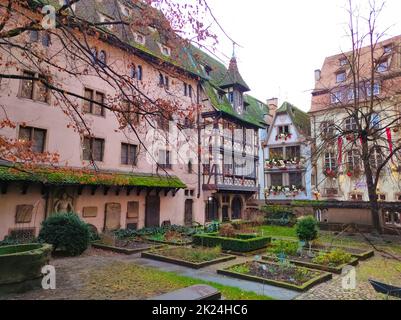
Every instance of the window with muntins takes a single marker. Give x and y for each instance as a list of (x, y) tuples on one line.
[(36, 136), (341, 77), (296, 179), (330, 161), (34, 89), (350, 124), (293, 152), (276, 179), (89, 105), (128, 154), (93, 149), (354, 160)]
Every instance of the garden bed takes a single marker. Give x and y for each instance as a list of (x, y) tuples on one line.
[(240, 243), (360, 254), (306, 262), (125, 246), (195, 258), (171, 242), (271, 273), (331, 261), (167, 235)]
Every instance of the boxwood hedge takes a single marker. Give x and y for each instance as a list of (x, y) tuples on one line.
[(242, 242)]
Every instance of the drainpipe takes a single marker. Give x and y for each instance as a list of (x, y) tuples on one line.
[(314, 138), (199, 138)]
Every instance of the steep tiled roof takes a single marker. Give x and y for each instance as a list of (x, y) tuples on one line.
[(233, 77), (215, 74), (332, 66), (299, 118)]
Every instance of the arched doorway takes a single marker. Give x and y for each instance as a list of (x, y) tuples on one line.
[(236, 208), (212, 209)]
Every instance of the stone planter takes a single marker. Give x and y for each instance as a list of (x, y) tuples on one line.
[(21, 266)]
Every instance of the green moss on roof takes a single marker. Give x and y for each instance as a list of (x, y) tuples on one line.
[(253, 114), (63, 176), (299, 118), (256, 109)]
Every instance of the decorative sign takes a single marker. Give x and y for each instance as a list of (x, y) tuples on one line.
[(24, 214), (89, 212)]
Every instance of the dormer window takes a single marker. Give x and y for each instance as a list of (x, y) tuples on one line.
[(388, 48), (103, 57), (139, 38), (343, 62), (208, 69), (231, 97), (341, 77), (165, 50), (107, 22), (126, 12), (382, 66)]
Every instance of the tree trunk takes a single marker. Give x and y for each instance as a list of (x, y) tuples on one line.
[(372, 191)]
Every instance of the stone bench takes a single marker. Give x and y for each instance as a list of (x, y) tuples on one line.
[(197, 292)]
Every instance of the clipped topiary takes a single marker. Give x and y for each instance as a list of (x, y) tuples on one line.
[(307, 229), (66, 232)]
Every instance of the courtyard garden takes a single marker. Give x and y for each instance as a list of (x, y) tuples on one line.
[(243, 260)]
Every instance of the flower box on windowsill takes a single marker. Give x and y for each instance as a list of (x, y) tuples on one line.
[(284, 164), (330, 173), (283, 136), (289, 191)]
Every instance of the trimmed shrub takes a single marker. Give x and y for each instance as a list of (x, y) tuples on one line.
[(287, 247), (307, 229), (127, 233), (242, 242), (335, 258), (66, 232), (279, 215)]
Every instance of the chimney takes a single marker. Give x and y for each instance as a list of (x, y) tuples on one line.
[(318, 75), (273, 105)]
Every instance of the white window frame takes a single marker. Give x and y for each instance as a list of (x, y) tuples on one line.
[(342, 79)]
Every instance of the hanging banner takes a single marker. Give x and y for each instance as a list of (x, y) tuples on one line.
[(340, 151), (390, 142)]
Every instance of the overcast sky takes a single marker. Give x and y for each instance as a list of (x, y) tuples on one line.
[(284, 41)]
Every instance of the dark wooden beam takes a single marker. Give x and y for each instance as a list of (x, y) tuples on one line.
[(149, 191), (44, 190), (93, 190), (4, 187), (158, 190), (138, 191), (24, 188), (106, 190), (129, 189), (166, 192), (80, 190), (118, 190)]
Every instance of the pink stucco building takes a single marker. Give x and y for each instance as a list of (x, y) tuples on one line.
[(117, 177)]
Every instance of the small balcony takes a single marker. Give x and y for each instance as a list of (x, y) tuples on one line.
[(213, 180)]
